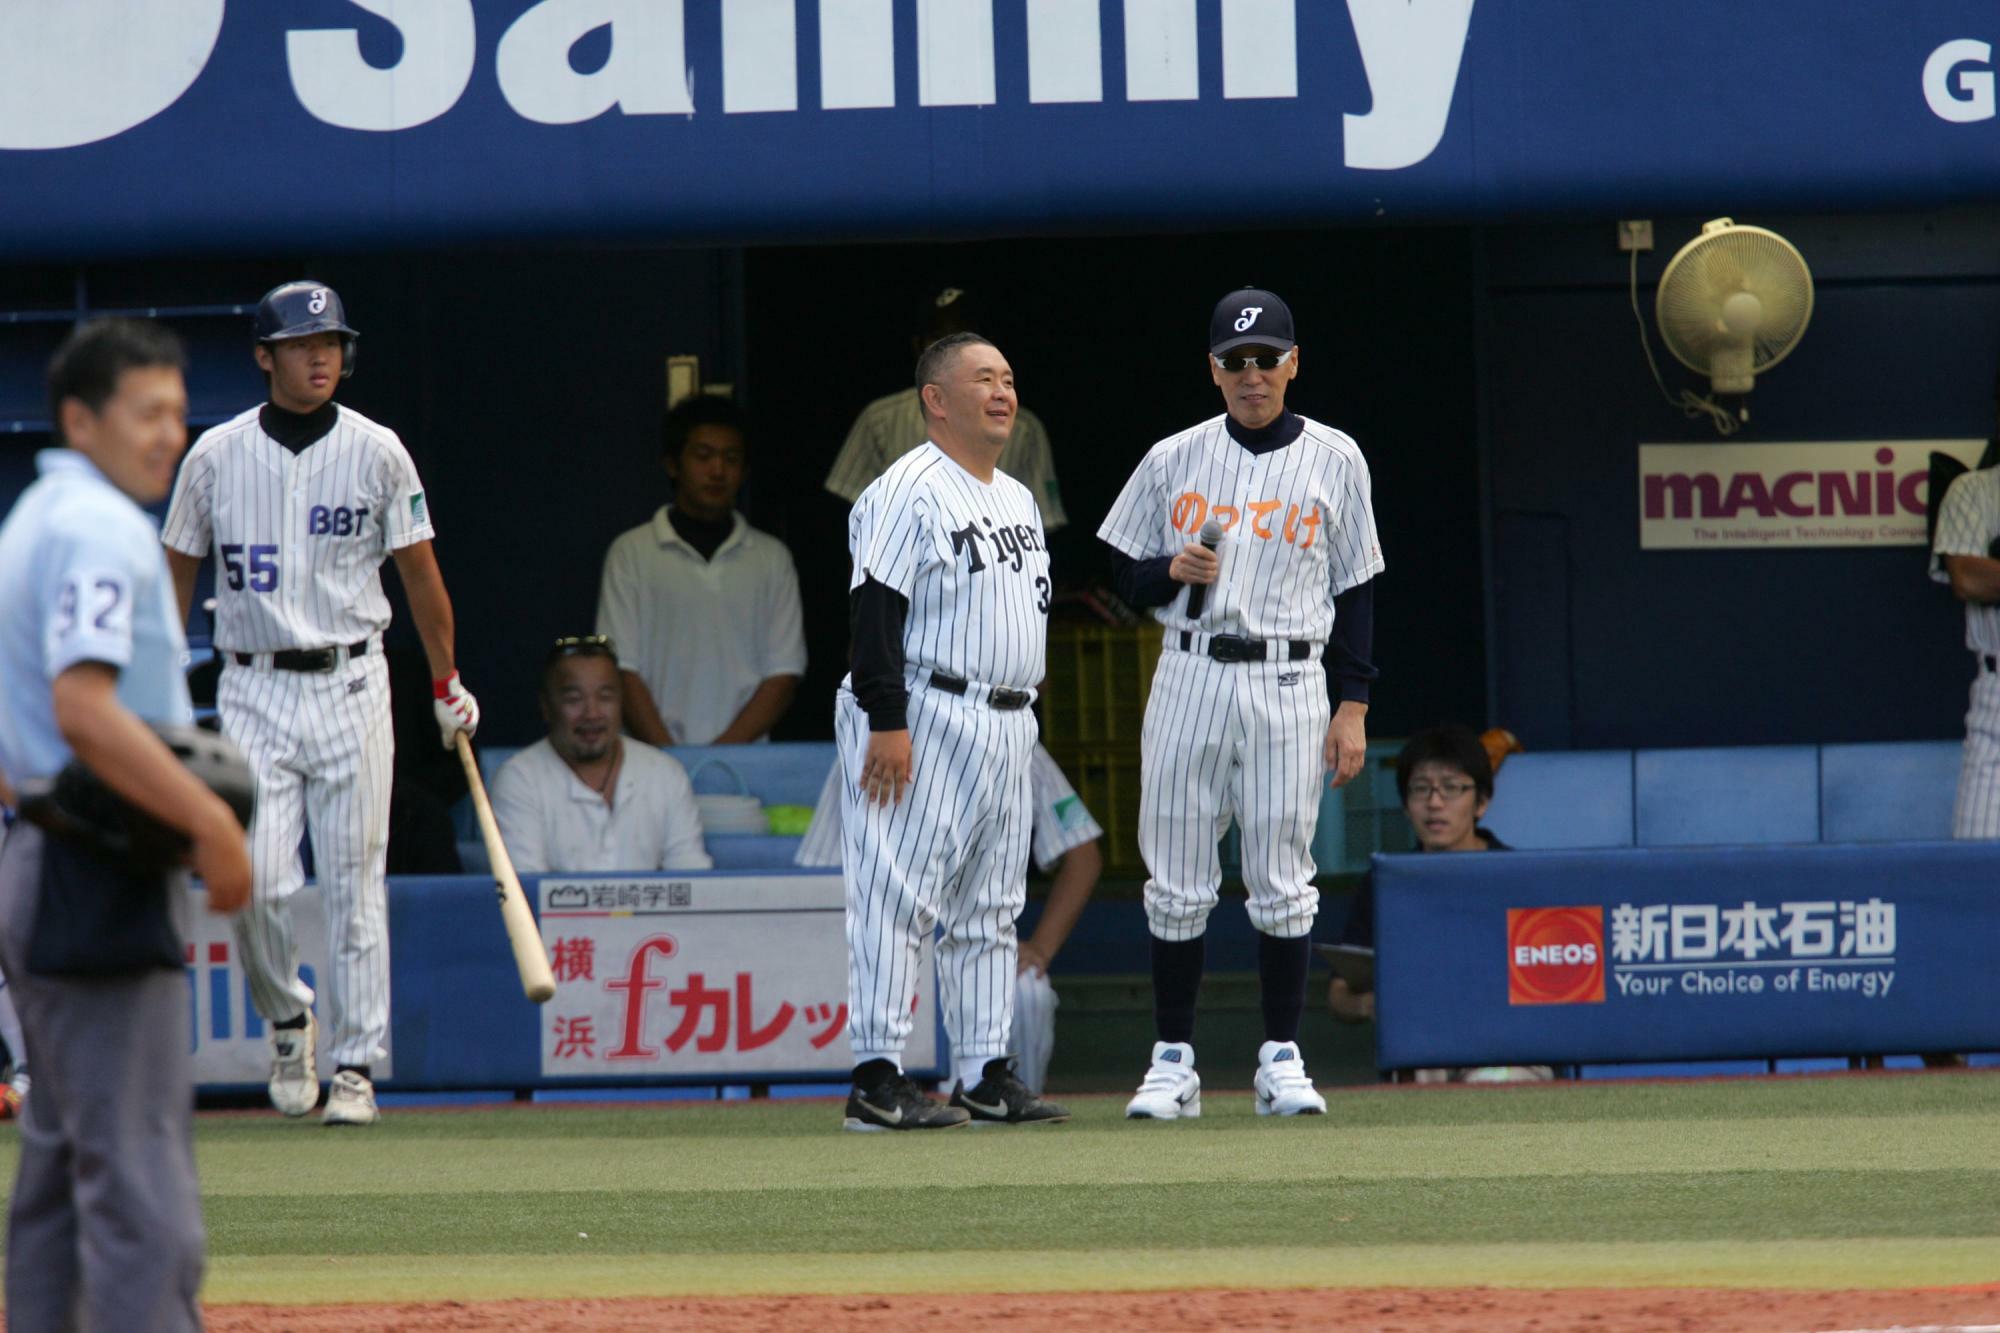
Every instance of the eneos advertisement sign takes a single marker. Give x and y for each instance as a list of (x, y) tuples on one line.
[(1555, 955)]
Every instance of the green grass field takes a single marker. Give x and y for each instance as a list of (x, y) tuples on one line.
[(1811, 1183)]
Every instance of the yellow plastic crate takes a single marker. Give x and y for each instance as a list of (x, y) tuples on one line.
[(1098, 680), (1107, 778)]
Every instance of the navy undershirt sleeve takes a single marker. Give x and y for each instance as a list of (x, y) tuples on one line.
[(1350, 653), (876, 613), (1143, 583)]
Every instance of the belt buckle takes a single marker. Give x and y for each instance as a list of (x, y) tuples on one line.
[(1230, 648), (317, 659), (1007, 700)]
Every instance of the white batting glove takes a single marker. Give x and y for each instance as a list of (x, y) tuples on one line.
[(455, 707)]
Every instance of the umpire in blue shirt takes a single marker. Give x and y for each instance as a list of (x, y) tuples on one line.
[(104, 1230)]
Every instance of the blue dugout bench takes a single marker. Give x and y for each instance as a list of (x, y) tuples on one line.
[(1737, 796)]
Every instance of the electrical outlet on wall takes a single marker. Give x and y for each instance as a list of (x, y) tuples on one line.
[(1635, 234)]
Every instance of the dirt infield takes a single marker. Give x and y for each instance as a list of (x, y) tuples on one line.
[(1410, 1310)]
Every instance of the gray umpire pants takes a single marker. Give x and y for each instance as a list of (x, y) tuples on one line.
[(104, 1232)]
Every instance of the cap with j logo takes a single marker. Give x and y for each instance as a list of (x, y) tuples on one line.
[(1251, 317)]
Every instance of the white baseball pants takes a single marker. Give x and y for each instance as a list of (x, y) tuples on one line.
[(1976, 814), (322, 748), (951, 858), (1223, 740)]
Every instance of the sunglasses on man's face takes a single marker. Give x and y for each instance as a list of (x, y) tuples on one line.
[(1236, 365)]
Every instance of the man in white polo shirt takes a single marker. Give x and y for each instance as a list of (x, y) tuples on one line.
[(893, 425), (704, 607), (582, 800)]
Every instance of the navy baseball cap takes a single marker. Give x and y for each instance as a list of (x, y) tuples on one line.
[(1250, 317)]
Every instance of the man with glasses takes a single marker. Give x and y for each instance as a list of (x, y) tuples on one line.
[(1253, 538), (581, 801), (1445, 778)]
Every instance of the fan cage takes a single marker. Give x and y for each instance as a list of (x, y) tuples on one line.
[(1714, 266)]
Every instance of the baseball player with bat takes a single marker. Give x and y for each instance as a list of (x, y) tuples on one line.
[(301, 500), (104, 1228), (1253, 537)]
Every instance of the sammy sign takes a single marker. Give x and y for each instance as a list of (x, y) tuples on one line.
[(1733, 497)]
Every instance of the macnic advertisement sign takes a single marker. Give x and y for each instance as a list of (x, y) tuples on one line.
[(1684, 954), (355, 122), (1734, 497)]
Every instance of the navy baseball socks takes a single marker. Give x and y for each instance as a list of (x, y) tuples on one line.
[(1177, 968), (1282, 966)]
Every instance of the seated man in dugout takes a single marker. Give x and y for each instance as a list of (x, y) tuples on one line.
[(1445, 779), (585, 799)]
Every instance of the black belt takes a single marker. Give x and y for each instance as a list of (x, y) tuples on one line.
[(305, 659), (1991, 663), (999, 696), (1231, 648)]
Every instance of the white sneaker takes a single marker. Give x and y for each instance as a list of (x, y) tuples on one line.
[(350, 1100), (1171, 1089), (294, 1075), (1282, 1085)]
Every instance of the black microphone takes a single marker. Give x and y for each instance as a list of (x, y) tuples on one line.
[(1211, 537)]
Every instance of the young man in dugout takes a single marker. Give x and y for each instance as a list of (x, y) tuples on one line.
[(703, 607), (1445, 779)]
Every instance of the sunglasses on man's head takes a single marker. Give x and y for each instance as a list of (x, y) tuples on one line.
[(582, 645), (1236, 365)]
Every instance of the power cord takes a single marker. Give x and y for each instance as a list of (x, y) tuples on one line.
[(1691, 404)]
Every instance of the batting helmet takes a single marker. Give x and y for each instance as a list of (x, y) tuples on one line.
[(302, 308), (76, 805)]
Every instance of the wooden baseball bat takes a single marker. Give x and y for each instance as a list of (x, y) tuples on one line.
[(537, 981)]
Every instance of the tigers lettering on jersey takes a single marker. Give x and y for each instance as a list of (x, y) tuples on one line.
[(931, 531)]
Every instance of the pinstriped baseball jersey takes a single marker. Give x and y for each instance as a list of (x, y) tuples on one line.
[(971, 558), (1300, 525), (1968, 521), (300, 537)]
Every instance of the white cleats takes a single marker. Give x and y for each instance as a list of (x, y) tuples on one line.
[(1171, 1089), (350, 1100), (294, 1076), (1282, 1085)]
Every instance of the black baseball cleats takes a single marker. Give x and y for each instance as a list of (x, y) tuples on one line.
[(885, 1098)]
